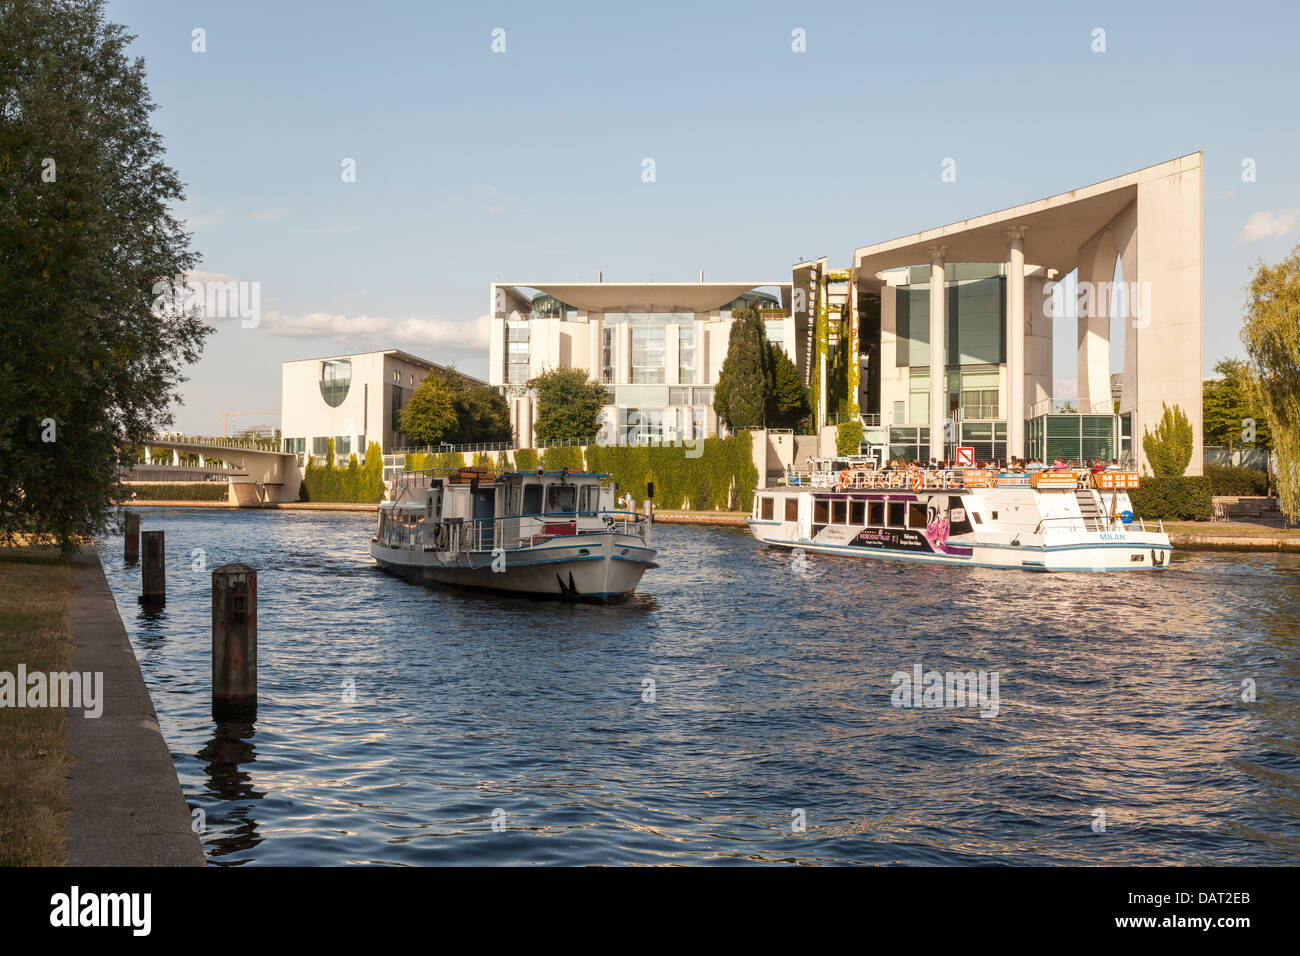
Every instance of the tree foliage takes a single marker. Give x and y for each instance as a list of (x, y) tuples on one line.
[(746, 383), (787, 405), (1229, 413), (1271, 334), (89, 361), (568, 405), (1169, 447), (447, 407)]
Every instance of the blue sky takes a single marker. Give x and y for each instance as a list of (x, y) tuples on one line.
[(473, 165)]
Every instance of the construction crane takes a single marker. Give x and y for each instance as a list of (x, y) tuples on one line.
[(227, 416)]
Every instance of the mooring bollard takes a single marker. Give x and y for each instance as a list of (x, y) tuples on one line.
[(131, 536), (234, 643), (153, 573)]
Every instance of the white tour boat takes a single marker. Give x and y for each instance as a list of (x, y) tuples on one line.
[(548, 534), (1035, 521)]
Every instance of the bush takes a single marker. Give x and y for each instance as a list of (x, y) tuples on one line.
[(1238, 482), (526, 459), (848, 438), (722, 477), (191, 491), (355, 483), (559, 458), (1173, 498)]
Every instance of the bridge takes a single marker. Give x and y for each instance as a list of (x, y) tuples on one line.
[(267, 474)]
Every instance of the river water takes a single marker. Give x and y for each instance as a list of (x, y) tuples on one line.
[(741, 709)]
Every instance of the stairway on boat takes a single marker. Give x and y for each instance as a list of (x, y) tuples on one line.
[(1092, 516)]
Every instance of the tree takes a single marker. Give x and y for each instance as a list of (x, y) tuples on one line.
[(1229, 414), (90, 354), (482, 413), (568, 405), (745, 383), (429, 416), (788, 402), (1169, 447), (1271, 334)]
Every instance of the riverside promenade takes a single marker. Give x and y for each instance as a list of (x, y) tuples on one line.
[(126, 804)]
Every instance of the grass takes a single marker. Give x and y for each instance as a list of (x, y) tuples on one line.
[(1238, 529), (36, 630)]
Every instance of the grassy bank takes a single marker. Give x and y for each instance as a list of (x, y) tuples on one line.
[(35, 630)]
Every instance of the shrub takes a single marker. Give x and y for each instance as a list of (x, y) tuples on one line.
[(190, 491), (526, 459), (1173, 498), (1169, 447), (721, 477), (558, 458), (848, 437), (1235, 481)]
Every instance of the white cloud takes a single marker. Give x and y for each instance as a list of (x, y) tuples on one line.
[(214, 218), (1269, 224), (270, 215), (466, 336)]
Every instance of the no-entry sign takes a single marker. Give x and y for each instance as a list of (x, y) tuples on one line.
[(966, 456)]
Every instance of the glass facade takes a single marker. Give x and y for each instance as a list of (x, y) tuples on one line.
[(647, 355), (686, 354), (516, 352), (608, 353), (1079, 437), (975, 304), (335, 377)]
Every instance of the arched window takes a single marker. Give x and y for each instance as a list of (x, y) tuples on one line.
[(335, 377)]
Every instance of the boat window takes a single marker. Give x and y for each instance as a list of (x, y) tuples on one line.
[(896, 514), (590, 498), (512, 498), (876, 513), (821, 513), (916, 515), (561, 499), (791, 508), (856, 512), (839, 512), (532, 499), (768, 505)]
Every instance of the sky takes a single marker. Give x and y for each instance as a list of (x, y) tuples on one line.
[(527, 164)]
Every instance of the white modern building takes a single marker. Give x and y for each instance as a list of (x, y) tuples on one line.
[(354, 399), (657, 347)]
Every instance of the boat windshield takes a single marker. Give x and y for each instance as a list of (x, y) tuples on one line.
[(561, 499)]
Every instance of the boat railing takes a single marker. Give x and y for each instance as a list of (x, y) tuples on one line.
[(911, 479)]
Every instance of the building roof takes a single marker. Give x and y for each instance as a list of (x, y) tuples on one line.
[(688, 296), (1054, 228), (405, 356)]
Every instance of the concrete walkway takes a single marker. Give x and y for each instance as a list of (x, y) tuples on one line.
[(127, 808)]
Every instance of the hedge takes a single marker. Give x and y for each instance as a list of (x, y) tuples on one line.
[(1173, 498), (1237, 482), (355, 483), (722, 476), (189, 491), (561, 457), (526, 459), (848, 438)]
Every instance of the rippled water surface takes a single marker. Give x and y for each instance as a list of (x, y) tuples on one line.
[(771, 707)]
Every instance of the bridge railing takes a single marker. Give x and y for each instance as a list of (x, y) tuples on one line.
[(252, 444)]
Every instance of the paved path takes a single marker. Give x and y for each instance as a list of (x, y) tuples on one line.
[(127, 808)]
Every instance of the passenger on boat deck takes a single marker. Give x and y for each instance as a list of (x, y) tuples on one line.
[(1060, 465), (1113, 466), (1097, 466)]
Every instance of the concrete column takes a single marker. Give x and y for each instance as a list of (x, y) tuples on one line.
[(672, 353), (701, 354), (938, 326), (596, 325), (1016, 341), (624, 370)]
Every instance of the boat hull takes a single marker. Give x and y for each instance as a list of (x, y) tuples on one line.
[(590, 568)]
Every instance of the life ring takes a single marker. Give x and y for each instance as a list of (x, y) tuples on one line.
[(918, 481), (844, 479)]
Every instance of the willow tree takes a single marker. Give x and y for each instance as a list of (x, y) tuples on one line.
[(1271, 334), (90, 359)]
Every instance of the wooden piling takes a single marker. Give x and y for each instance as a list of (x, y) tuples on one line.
[(131, 536), (153, 570), (234, 643)]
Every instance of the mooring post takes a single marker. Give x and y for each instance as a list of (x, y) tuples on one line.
[(131, 537), (234, 643), (153, 572)]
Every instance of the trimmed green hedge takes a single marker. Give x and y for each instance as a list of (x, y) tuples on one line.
[(559, 458), (355, 483), (848, 438), (1173, 498), (1239, 482), (437, 459), (526, 459), (721, 477), (190, 491)]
